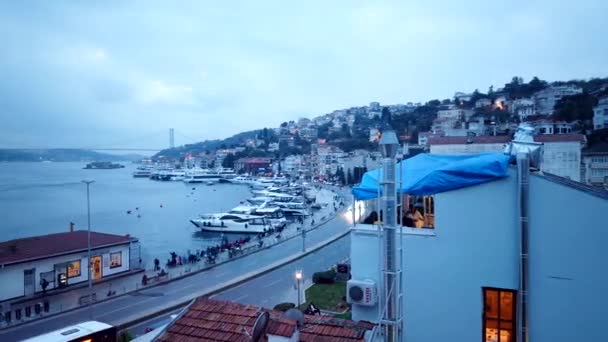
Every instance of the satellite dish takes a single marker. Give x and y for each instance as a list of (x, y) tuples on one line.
[(295, 315), (259, 326)]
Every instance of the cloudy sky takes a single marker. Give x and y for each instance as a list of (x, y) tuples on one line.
[(120, 73)]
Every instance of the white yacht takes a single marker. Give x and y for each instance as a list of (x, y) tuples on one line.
[(142, 172), (276, 196), (242, 180), (293, 209), (200, 176), (232, 223), (177, 175), (226, 173), (273, 214)]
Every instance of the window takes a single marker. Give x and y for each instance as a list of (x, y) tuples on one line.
[(73, 269), (115, 259), (419, 212), (498, 315)]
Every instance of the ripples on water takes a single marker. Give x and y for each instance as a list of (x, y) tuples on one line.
[(43, 198)]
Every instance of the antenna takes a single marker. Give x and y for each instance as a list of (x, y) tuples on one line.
[(259, 327)]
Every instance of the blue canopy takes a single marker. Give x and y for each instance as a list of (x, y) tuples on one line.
[(427, 174)]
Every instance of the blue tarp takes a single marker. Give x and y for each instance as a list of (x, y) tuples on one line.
[(427, 174)]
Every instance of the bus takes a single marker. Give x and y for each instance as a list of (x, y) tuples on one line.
[(91, 331)]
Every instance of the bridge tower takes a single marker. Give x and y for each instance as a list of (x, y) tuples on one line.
[(171, 138)]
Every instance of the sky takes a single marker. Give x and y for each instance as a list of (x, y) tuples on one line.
[(121, 73)]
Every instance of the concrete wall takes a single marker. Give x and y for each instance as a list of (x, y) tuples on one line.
[(568, 263), (562, 159), (467, 148), (473, 245), (12, 277)]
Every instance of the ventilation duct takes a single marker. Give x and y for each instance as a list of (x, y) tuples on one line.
[(523, 142)]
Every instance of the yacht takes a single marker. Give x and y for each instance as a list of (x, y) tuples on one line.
[(242, 180), (177, 175), (293, 209), (232, 223), (276, 196), (200, 176), (275, 215), (226, 174)]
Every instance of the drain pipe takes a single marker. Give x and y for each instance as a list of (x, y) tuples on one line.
[(389, 145), (523, 180)]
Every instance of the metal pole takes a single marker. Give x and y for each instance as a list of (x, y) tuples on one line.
[(88, 183), (299, 299), (303, 239)]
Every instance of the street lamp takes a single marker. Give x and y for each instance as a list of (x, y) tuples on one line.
[(88, 183), (298, 280)]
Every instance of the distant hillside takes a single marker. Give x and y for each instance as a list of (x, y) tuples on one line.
[(61, 155), (207, 145)]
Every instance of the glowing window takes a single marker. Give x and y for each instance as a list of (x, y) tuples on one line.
[(115, 259), (498, 315), (73, 268)]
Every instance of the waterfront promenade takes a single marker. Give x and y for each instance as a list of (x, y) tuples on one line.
[(124, 308)]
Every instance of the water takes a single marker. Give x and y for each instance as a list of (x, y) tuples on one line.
[(43, 198)]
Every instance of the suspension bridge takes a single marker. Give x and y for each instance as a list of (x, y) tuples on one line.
[(130, 145)]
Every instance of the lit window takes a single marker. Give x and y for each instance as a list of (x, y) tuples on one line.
[(115, 259), (499, 315), (419, 212), (73, 269)]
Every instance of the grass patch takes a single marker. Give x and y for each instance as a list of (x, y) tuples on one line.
[(326, 296), (346, 315)]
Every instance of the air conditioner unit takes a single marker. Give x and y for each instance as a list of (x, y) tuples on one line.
[(361, 292)]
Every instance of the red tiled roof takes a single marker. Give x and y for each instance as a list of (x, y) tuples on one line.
[(559, 138), (37, 247), (222, 321), (490, 139)]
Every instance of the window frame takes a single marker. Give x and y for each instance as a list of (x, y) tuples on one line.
[(120, 258), (499, 320), (67, 269)]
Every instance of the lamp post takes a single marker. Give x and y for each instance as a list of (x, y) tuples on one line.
[(298, 280), (88, 183)]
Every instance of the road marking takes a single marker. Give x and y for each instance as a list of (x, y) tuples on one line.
[(273, 283)]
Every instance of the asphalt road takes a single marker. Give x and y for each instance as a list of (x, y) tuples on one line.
[(271, 288), (134, 305)]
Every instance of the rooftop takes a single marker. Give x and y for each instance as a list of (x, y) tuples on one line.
[(254, 160), (490, 139), (43, 246), (213, 320), (544, 138)]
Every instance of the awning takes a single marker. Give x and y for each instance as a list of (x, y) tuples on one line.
[(427, 174)]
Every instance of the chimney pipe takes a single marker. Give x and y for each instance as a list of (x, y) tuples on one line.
[(389, 145), (523, 176), (71, 227)]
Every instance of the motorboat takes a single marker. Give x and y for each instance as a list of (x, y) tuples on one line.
[(241, 180), (273, 214), (293, 209), (232, 223), (200, 176), (209, 182)]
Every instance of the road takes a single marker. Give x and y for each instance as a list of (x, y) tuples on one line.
[(126, 308), (271, 288)]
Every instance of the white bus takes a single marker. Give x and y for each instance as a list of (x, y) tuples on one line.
[(91, 331)]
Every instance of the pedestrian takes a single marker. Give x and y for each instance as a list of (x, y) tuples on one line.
[(156, 264)]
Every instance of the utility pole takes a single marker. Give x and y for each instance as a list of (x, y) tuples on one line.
[(88, 183)]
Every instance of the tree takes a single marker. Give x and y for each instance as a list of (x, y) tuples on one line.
[(576, 107), (491, 90), (228, 161), (284, 124), (433, 103)]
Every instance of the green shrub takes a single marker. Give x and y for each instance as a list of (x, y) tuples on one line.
[(326, 277)]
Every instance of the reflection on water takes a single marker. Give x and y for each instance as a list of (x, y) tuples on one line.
[(43, 198)]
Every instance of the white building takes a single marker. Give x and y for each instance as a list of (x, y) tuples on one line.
[(482, 103), (468, 144), (546, 99), (523, 108), (461, 279), (60, 261), (455, 114), (562, 154), (309, 133), (374, 106), (551, 127), (292, 165), (595, 167), (600, 114)]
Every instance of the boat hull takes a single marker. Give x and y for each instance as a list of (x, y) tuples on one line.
[(228, 228)]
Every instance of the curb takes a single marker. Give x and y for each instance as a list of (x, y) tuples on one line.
[(243, 279)]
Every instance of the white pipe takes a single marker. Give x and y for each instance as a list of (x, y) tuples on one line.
[(523, 173)]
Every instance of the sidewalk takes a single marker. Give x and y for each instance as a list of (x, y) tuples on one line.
[(78, 297)]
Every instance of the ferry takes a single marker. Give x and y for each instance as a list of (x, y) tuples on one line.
[(142, 172), (103, 166), (201, 176)]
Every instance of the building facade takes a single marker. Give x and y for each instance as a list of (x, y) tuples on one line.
[(461, 280), (600, 114), (562, 154), (31, 266), (546, 99)]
